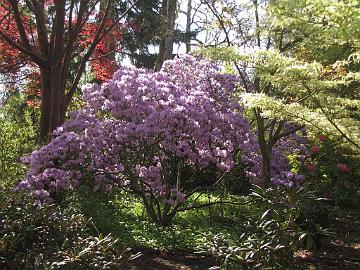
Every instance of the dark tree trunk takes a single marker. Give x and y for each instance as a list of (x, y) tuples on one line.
[(52, 105), (162, 216), (111, 43), (45, 104), (168, 16), (266, 165), (265, 148), (53, 52), (52, 109), (188, 26), (57, 81)]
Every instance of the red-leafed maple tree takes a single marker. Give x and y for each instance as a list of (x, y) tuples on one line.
[(58, 37)]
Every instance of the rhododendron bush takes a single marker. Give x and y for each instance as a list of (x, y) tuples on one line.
[(293, 146), (163, 135)]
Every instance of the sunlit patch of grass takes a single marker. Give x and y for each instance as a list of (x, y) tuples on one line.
[(125, 218)]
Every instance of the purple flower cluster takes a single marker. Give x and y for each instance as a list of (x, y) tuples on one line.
[(281, 168), (138, 128), (45, 175)]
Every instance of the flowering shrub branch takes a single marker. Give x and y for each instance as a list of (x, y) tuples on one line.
[(160, 134)]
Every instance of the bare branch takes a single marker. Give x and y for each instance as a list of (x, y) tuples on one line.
[(41, 26), (34, 56), (19, 23)]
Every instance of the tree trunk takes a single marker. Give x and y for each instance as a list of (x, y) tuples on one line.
[(266, 165), (45, 104), (56, 60), (54, 50), (162, 216), (150, 209), (168, 15), (57, 100), (52, 102), (111, 42), (188, 26), (167, 219), (170, 23), (265, 148)]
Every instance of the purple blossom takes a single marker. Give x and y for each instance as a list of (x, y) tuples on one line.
[(133, 129), (281, 169)]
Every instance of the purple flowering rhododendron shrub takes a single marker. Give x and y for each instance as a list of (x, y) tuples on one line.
[(161, 135), (282, 173)]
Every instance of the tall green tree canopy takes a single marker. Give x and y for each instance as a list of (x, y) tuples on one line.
[(309, 74)]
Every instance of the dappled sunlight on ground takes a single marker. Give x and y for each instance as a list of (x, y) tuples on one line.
[(152, 260)]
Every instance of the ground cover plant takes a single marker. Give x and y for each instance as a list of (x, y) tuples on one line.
[(50, 237)]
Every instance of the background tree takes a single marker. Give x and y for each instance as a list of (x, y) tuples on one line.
[(52, 36), (320, 69), (168, 16), (300, 73), (152, 25), (142, 35), (143, 42), (241, 27)]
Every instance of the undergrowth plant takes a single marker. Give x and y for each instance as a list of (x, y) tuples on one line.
[(273, 236), (50, 237)]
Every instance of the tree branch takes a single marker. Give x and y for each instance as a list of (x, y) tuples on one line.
[(41, 26), (34, 56), (20, 24), (98, 37)]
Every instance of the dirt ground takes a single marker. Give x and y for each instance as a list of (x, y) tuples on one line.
[(153, 260)]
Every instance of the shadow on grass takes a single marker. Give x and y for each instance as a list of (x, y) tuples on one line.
[(125, 218)]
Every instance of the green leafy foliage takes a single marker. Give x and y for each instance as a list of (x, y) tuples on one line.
[(124, 216), (318, 25), (320, 97), (309, 72), (335, 175), (281, 227), (49, 237), (17, 138)]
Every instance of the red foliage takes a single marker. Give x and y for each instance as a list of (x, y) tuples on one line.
[(11, 59), (14, 63), (102, 65), (311, 167), (33, 89), (322, 138)]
